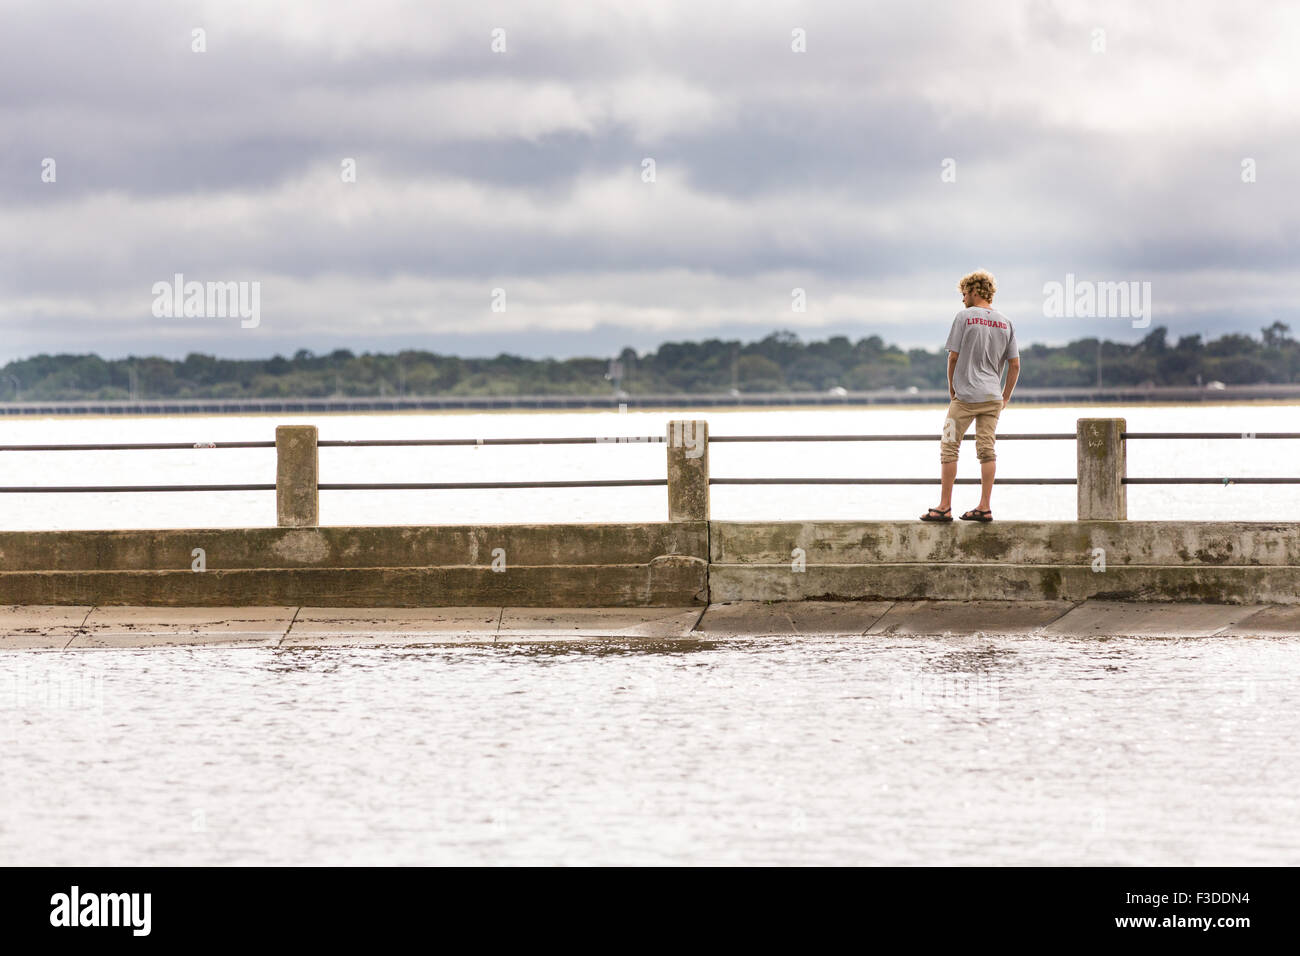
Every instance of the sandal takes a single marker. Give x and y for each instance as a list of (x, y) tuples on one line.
[(937, 514), (976, 515)]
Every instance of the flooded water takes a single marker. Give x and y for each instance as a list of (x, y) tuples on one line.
[(841, 751), (863, 750), (1218, 458)]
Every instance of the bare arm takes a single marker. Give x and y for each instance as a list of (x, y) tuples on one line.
[(1013, 373), (952, 364)]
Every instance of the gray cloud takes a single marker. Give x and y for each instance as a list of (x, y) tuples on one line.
[(523, 170)]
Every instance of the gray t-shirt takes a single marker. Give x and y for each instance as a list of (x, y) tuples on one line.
[(984, 341)]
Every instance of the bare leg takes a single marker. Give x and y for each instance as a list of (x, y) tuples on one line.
[(948, 474), (987, 470)]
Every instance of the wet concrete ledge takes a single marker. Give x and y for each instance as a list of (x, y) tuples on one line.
[(637, 564), (54, 628), (655, 564), (1213, 562)]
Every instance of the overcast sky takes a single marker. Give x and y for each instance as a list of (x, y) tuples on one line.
[(1105, 140)]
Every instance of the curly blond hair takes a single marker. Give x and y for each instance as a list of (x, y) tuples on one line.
[(981, 283)]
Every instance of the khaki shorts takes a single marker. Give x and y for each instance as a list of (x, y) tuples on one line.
[(959, 419)]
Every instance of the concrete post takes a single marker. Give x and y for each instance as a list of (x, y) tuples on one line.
[(688, 471), (1103, 465), (297, 469)]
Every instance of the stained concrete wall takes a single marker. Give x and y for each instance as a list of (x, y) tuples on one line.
[(670, 564), (1218, 561), (563, 565)]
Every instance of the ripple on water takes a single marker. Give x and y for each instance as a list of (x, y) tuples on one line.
[(853, 750)]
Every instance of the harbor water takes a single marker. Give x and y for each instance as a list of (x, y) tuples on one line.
[(964, 749)]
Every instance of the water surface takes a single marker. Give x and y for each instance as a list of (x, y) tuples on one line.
[(849, 750)]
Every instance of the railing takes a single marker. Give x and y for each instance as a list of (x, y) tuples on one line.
[(1101, 453)]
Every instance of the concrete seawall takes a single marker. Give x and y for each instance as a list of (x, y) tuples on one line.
[(1228, 562), (667, 564), (686, 561), (562, 565)]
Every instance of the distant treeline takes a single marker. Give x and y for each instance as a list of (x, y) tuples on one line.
[(779, 362)]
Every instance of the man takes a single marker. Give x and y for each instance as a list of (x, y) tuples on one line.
[(981, 341)]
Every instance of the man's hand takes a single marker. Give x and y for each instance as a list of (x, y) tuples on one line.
[(1004, 403)]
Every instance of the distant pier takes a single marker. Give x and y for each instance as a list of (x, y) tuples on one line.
[(340, 404)]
